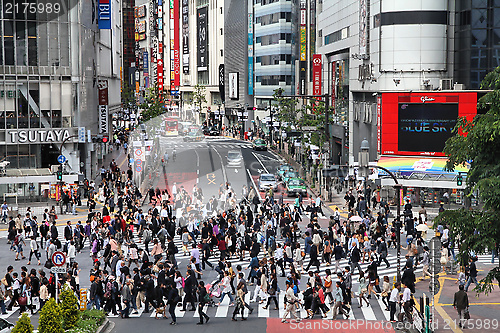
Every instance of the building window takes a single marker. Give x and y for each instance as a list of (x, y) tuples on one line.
[(203, 77), (273, 39), (273, 18), (201, 2), (337, 35), (274, 80)]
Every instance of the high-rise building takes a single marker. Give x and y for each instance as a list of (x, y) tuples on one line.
[(53, 61)]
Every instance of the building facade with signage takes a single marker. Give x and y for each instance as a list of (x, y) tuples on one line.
[(370, 47), (400, 74), (50, 67)]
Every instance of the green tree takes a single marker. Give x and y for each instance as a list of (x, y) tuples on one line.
[(153, 105), (128, 97), (50, 318), (69, 308), (478, 142), (287, 112), (23, 325), (199, 96)]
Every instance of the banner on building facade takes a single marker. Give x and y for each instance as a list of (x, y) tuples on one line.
[(202, 28), (185, 36), (159, 67), (250, 53), (104, 14), (316, 69), (363, 27), (233, 86), (222, 90), (175, 61)]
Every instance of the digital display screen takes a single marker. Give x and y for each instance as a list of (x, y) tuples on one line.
[(425, 127)]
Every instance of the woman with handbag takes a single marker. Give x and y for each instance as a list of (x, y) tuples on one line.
[(386, 291), (271, 291), (362, 289)]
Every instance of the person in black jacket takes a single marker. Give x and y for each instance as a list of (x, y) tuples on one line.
[(53, 231), (150, 293), (313, 254), (202, 295), (408, 278), (189, 289), (172, 300), (68, 233), (355, 257)]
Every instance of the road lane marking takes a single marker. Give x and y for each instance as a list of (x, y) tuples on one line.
[(221, 164), (258, 159), (211, 179)]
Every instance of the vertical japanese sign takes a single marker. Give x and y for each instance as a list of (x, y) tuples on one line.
[(312, 30), (102, 86), (185, 36), (104, 14), (334, 85), (159, 67), (250, 48), (175, 60), (145, 67), (202, 26), (363, 27), (379, 124), (303, 48), (222, 88), (316, 69)]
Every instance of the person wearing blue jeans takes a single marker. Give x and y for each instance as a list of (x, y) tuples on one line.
[(95, 299), (472, 274), (226, 288)]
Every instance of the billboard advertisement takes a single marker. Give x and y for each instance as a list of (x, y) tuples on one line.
[(202, 27), (316, 68), (185, 36), (250, 52), (420, 123), (175, 61)]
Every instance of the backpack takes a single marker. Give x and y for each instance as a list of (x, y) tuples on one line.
[(16, 240), (272, 243)]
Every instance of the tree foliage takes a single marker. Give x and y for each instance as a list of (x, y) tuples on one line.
[(153, 105), (69, 308), (199, 96), (477, 141), (128, 97), (23, 325), (287, 112), (50, 318)]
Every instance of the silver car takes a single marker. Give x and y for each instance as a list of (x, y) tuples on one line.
[(234, 159), (267, 181)]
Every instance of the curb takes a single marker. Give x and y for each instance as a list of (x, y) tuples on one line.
[(106, 327)]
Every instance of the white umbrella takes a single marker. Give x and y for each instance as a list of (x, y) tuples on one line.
[(422, 227), (356, 218)]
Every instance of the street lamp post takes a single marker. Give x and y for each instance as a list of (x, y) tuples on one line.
[(271, 128), (364, 158)]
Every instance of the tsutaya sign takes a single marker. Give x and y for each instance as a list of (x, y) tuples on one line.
[(53, 135)]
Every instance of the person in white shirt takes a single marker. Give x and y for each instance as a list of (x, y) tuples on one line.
[(290, 300), (393, 300), (406, 300), (71, 252), (225, 285), (279, 255), (34, 250)]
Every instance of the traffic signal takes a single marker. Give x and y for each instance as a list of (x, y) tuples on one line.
[(100, 139), (459, 180), (59, 175)]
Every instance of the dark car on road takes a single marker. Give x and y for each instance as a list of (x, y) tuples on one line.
[(213, 131)]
